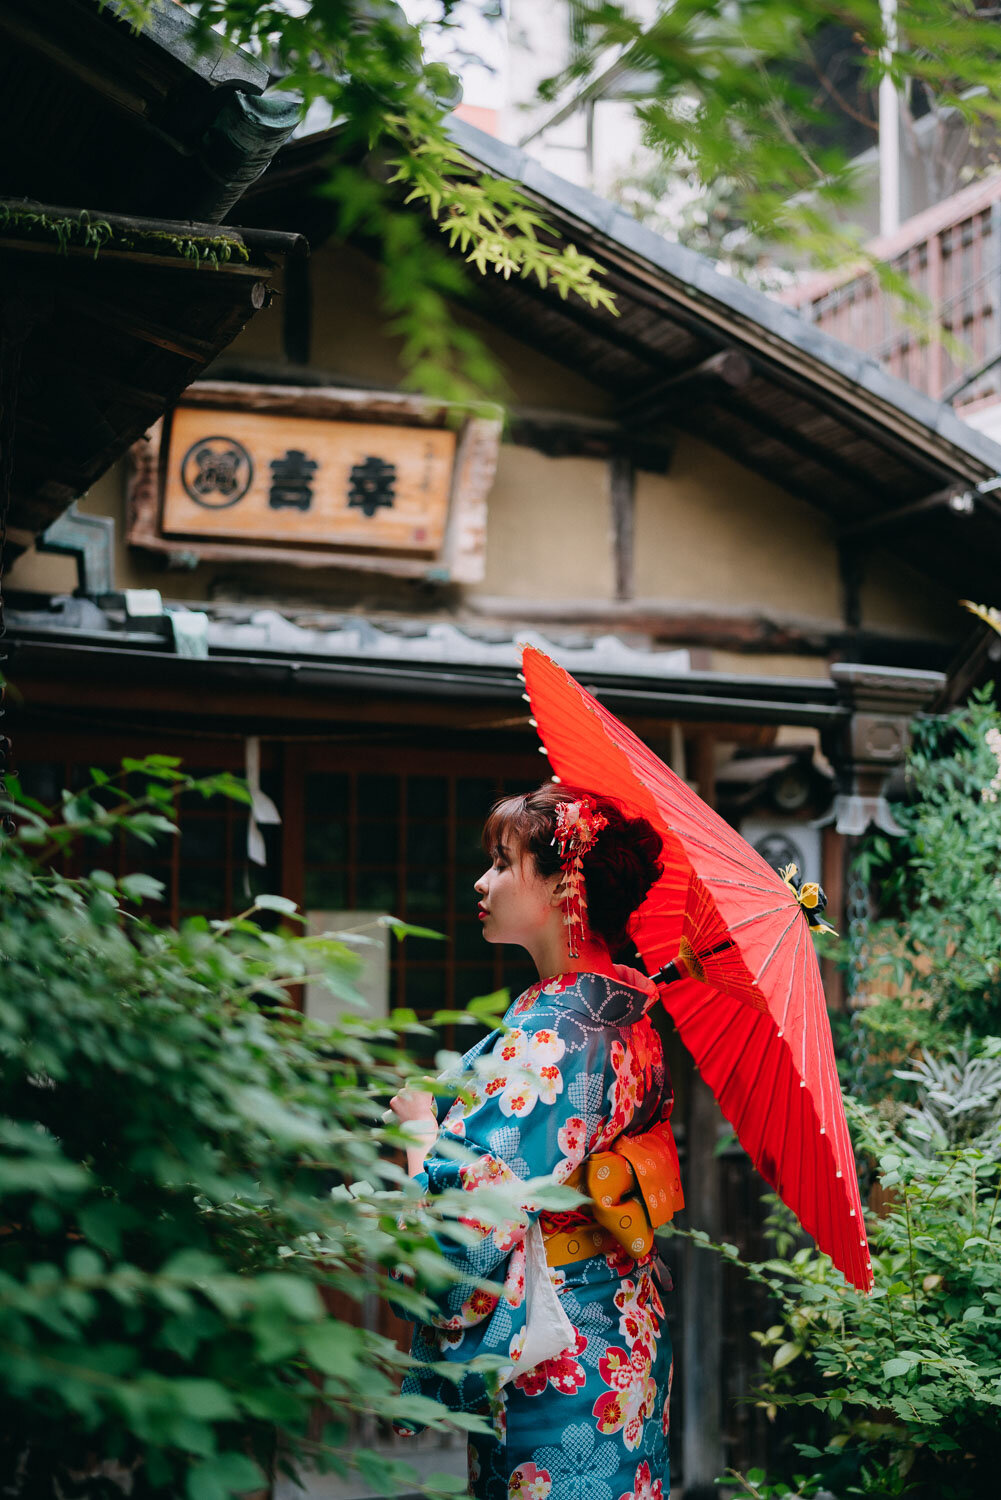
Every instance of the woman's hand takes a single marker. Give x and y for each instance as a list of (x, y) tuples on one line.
[(413, 1104), (414, 1108)]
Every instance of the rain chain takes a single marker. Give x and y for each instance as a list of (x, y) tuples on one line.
[(19, 313), (10, 351), (858, 958)]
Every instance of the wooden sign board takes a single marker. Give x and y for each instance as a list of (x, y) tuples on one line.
[(302, 480), (316, 477)]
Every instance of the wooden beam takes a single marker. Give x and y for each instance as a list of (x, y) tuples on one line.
[(749, 631), (888, 519), (61, 676), (565, 434), (695, 386), (632, 280), (100, 80), (349, 716), (117, 390), (139, 325), (802, 446), (577, 317), (331, 402)]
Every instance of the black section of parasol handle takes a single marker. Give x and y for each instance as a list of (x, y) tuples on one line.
[(676, 969)]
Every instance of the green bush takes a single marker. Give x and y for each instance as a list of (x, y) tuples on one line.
[(188, 1168), (936, 953), (900, 1391)]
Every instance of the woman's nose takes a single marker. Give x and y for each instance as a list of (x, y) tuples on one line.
[(481, 885)]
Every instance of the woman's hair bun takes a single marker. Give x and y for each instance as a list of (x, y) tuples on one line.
[(619, 869)]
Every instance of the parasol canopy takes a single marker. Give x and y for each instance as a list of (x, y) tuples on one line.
[(749, 1005)]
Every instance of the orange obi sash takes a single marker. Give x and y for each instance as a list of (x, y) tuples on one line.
[(634, 1188)]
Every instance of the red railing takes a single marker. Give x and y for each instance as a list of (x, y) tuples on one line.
[(951, 254)]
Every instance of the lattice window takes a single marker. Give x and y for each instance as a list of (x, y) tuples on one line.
[(370, 829), (409, 842)]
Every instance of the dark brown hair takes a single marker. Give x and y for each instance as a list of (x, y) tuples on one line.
[(619, 869)]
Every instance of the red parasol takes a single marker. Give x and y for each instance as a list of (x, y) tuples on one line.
[(749, 1006)]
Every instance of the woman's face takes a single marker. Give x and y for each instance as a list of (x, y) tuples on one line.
[(517, 904)]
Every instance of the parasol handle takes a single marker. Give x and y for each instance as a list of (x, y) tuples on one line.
[(688, 963)]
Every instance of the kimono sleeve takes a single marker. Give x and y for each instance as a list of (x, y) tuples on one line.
[(538, 1099)]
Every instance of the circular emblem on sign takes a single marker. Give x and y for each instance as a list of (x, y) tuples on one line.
[(777, 849), (216, 472)]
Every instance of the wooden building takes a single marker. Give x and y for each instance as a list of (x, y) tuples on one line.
[(747, 539), (951, 255)]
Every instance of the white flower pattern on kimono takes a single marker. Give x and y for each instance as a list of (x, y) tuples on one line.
[(554, 986), (644, 1486), (454, 1122), (572, 1141), (486, 1170), (630, 1401), (514, 1281), (516, 1345), (564, 1373), (642, 1311), (632, 1066), (522, 1069), (529, 1483)]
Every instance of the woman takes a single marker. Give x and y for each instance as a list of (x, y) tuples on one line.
[(581, 1067)]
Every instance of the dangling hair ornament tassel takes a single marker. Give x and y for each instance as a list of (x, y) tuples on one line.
[(810, 896), (577, 827)]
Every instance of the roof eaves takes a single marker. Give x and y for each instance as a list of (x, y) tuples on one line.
[(697, 696), (101, 233), (180, 34), (784, 333)]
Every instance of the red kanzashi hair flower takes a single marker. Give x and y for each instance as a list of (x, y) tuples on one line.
[(577, 827)]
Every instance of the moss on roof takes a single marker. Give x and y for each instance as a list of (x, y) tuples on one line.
[(94, 233)]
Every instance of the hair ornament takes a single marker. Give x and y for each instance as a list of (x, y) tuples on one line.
[(577, 827), (810, 896)]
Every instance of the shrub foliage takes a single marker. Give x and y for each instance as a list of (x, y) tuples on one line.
[(899, 1392), (189, 1170)]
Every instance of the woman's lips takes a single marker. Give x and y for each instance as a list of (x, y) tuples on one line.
[(482, 913)]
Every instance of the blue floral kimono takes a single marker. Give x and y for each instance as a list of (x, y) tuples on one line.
[(581, 1065)]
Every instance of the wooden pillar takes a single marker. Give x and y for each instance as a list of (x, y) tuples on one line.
[(17, 317), (704, 767), (291, 766), (702, 1303), (936, 296), (297, 310), (622, 487), (833, 863)]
